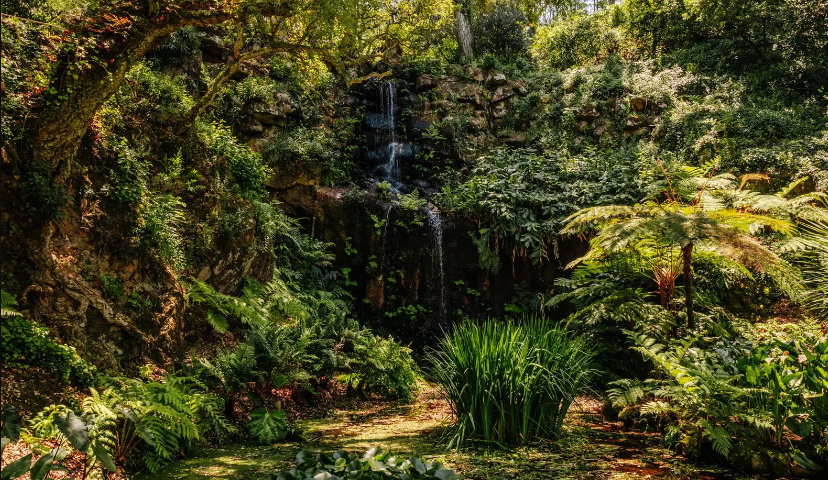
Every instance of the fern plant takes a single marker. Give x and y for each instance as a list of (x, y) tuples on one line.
[(267, 426), (169, 415), (696, 210), (89, 434), (739, 399), (810, 254)]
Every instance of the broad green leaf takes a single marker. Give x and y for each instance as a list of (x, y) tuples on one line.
[(418, 465), (444, 474), (11, 423), (43, 466), (303, 457), (74, 429), (376, 465), (103, 456), (17, 468)]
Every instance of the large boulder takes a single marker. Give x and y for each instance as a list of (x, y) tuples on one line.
[(461, 91), (276, 112), (425, 82), (496, 78)]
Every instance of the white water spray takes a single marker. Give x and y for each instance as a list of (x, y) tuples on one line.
[(436, 224), (385, 234), (388, 105)]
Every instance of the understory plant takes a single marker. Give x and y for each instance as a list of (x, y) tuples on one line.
[(509, 382), (156, 419), (71, 431), (24, 343), (760, 403), (375, 464), (295, 336), (268, 426)]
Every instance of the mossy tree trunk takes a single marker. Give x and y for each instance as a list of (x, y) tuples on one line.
[(65, 115)]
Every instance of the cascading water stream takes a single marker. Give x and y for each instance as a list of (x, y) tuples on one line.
[(388, 106), (436, 225), (385, 234), (390, 172)]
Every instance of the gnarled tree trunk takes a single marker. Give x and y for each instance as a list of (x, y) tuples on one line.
[(64, 119)]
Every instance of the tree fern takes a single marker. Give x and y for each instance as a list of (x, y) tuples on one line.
[(698, 213)]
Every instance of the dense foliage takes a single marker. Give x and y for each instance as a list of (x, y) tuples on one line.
[(201, 218), (25, 344), (737, 396)]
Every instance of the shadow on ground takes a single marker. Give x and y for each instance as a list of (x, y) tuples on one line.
[(590, 448)]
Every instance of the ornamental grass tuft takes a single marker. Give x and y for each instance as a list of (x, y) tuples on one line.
[(508, 381)]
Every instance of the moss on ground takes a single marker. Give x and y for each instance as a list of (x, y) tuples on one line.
[(236, 461), (590, 448)]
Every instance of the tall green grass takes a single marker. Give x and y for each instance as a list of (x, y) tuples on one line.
[(509, 382)]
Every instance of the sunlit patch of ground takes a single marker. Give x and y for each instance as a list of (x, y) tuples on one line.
[(590, 448), (233, 462), (411, 429)]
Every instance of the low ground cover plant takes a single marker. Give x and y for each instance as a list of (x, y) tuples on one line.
[(375, 464)]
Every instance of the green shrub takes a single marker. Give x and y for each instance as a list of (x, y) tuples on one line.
[(156, 96), (267, 427), (749, 401), (112, 287), (46, 197), (294, 337), (157, 420), (70, 430), (510, 382), (243, 164), (375, 464), (26, 344), (315, 151), (383, 366), (501, 32), (128, 175), (244, 96), (160, 217), (180, 49), (525, 196), (577, 40)]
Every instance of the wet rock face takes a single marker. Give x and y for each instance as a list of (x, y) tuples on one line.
[(399, 282), (390, 257), (441, 121)]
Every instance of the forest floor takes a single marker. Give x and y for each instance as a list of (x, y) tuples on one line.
[(591, 447)]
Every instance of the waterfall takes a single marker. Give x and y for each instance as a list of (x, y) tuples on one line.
[(464, 35), (385, 235), (436, 225), (388, 105)]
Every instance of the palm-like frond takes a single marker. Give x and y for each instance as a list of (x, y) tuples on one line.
[(814, 264)]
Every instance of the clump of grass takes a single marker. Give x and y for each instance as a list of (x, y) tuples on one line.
[(508, 381)]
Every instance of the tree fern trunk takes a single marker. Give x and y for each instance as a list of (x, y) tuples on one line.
[(230, 406), (687, 260)]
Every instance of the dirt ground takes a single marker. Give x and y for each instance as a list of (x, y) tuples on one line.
[(591, 447)]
